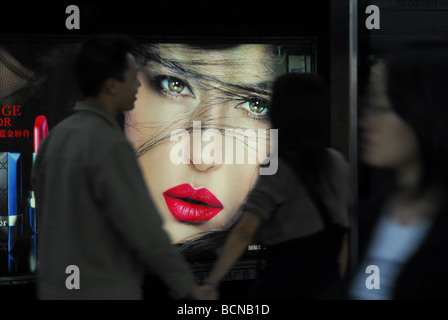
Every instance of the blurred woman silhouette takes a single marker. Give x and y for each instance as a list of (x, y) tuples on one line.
[(300, 212), (404, 130)]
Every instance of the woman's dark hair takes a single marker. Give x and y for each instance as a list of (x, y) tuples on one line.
[(100, 58), (417, 86), (298, 110)]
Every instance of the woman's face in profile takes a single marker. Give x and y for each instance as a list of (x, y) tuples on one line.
[(221, 90), (388, 141)]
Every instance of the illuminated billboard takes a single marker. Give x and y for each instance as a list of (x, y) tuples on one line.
[(199, 127)]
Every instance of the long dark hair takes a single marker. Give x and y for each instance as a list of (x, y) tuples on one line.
[(417, 85), (298, 110)]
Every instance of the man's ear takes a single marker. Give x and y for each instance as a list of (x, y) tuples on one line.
[(110, 85)]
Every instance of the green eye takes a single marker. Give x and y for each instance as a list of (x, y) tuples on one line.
[(255, 107), (175, 86)]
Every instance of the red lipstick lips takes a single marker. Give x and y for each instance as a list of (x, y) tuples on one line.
[(192, 205)]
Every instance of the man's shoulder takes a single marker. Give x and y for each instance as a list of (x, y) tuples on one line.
[(88, 124), (81, 134)]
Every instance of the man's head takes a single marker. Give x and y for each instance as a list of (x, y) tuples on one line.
[(105, 69)]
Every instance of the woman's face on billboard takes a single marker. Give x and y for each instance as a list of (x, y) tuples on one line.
[(223, 89)]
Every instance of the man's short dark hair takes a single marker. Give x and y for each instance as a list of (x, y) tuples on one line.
[(100, 58)]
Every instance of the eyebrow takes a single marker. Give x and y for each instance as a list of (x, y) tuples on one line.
[(257, 87)]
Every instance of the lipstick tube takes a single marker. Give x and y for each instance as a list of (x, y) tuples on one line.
[(39, 133)]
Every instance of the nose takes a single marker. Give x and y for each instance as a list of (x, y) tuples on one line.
[(368, 120), (206, 155)]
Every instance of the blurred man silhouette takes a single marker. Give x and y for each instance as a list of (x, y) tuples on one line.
[(94, 207)]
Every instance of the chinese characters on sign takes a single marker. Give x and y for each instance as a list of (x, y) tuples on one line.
[(25, 133), (7, 115)]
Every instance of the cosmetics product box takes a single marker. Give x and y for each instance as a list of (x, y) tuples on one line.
[(11, 206)]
